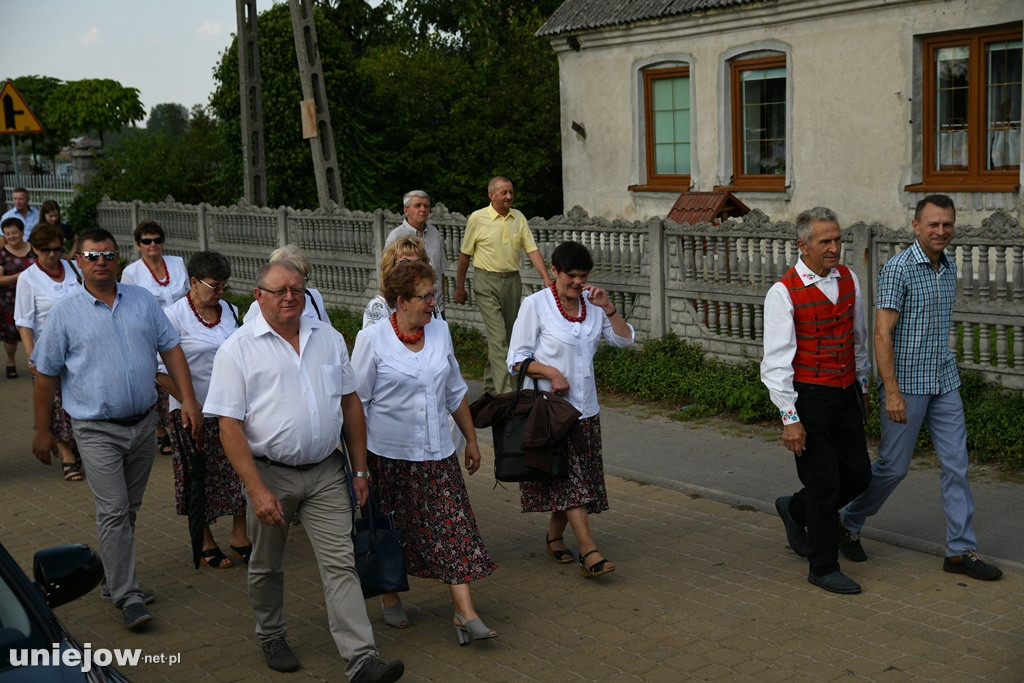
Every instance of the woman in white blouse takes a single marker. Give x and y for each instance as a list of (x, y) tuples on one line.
[(314, 307), (402, 250), (167, 279), (204, 321), (409, 381), (39, 287), (560, 328)]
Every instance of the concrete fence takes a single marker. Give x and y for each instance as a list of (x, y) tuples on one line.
[(704, 283)]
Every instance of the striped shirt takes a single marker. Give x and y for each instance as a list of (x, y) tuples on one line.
[(106, 357), (924, 299)]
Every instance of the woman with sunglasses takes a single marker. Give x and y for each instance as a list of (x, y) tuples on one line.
[(204, 321), (39, 287), (167, 279), (409, 382), (15, 256)]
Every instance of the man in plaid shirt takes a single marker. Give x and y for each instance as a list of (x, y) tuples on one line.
[(920, 384)]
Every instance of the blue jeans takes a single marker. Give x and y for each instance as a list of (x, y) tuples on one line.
[(944, 415)]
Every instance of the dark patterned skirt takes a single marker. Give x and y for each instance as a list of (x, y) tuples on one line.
[(163, 407), (431, 505), (224, 495), (584, 487), (60, 421)]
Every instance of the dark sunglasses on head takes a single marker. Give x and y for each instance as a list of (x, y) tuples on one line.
[(95, 255), (151, 240)]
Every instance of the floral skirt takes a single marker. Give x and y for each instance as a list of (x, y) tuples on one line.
[(163, 407), (584, 487), (224, 495), (60, 421), (431, 505)]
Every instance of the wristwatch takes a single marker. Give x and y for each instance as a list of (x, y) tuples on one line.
[(361, 475)]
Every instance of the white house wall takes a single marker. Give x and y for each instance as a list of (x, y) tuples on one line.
[(852, 81)]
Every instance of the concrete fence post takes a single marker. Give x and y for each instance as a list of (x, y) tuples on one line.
[(282, 226), (657, 275), (204, 240)]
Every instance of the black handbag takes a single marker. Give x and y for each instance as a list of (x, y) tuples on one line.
[(378, 546), (380, 553), (509, 463)]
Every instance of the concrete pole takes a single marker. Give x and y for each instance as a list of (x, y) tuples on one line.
[(254, 164), (317, 127)]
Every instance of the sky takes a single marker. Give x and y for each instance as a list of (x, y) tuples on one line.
[(165, 48)]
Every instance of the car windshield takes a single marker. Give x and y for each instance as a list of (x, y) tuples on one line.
[(18, 628)]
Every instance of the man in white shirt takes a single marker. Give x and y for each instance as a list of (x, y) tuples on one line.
[(416, 207), (284, 389), (22, 211), (816, 367)]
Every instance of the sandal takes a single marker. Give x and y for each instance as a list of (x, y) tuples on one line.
[(12, 372), (215, 559), (598, 568), (471, 630), (562, 556), (165, 444), (243, 552), (72, 470), (394, 615)]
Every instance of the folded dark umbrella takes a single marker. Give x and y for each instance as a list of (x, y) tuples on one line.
[(194, 462)]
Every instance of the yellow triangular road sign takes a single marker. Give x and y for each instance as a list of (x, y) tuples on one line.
[(15, 116)]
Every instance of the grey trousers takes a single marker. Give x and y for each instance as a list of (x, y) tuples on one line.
[(320, 498), (498, 296), (117, 463)]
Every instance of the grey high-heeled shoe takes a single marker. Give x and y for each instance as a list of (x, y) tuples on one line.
[(394, 615), (474, 629)]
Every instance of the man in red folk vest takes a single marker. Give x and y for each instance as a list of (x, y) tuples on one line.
[(816, 369)]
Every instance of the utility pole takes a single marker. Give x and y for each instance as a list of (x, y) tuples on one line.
[(254, 162), (316, 115)]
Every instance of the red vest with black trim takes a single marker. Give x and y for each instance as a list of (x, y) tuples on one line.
[(824, 331)]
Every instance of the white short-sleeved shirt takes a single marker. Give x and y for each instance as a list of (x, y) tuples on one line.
[(541, 332), (408, 395), (309, 311), (137, 273), (36, 293), (199, 343), (289, 404)]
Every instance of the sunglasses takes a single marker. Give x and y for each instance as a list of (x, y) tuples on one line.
[(151, 240), (95, 255), (50, 250)]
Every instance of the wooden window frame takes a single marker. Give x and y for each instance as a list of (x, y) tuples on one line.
[(974, 178), (745, 182), (654, 181)]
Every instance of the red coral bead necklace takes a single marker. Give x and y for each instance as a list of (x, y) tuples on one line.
[(59, 275), (561, 309), (167, 273), (201, 319), (407, 338)]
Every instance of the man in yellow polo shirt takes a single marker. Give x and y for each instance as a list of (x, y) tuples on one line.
[(494, 236)]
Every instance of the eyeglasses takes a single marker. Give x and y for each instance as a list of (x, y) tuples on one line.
[(279, 293), (50, 250), (219, 289), (151, 240), (426, 298), (95, 255)]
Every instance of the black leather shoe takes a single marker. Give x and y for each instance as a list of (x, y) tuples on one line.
[(795, 533), (376, 670), (850, 547), (836, 582), (971, 565), (279, 655)]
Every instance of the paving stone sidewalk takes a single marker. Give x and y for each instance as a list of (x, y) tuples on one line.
[(703, 591)]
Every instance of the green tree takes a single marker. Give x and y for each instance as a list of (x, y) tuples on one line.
[(169, 117), (100, 104)]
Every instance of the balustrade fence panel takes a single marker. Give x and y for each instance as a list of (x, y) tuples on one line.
[(40, 187), (704, 283)]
